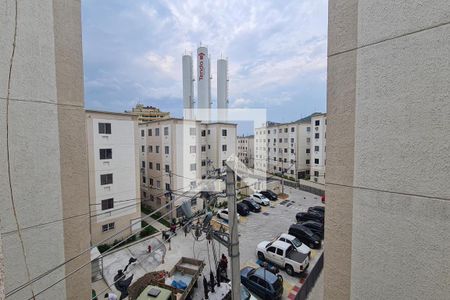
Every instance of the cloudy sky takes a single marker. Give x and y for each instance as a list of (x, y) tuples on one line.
[(276, 51)]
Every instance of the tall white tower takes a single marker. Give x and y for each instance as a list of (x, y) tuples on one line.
[(203, 78), (222, 83), (188, 86)]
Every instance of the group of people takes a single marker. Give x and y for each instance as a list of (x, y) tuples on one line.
[(221, 276)]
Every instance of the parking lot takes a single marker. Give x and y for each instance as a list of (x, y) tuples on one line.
[(253, 229)]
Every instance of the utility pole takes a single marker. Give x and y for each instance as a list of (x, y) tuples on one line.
[(233, 250), (171, 196)]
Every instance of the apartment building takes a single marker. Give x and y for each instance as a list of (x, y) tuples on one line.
[(114, 188), (175, 154), (387, 227), (246, 150), (44, 206), (295, 149), (148, 113)]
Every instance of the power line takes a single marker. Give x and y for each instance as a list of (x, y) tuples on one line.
[(15, 290), (109, 286)]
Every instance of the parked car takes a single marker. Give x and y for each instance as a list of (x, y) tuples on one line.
[(260, 199), (242, 209), (309, 216), (262, 283), (269, 195), (223, 214), (252, 205), (305, 236), (284, 255), (292, 240), (316, 227), (320, 209)]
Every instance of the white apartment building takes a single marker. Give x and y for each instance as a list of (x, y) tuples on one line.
[(114, 188), (295, 149), (246, 150), (175, 154)]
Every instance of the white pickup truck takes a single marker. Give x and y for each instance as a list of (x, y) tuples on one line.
[(284, 255)]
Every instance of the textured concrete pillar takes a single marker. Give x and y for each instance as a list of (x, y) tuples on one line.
[(387, 229), (44, 206)]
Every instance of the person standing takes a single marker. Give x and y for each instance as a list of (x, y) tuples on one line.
[(111, 296)]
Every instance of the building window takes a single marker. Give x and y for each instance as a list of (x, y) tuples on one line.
[(143, 179), (166, 168), (308, 150), (166, 149), (157, 149), (105, 153), (166, 130), (192, 131), (142, 133), (149, 132), (209, 131), (307, 161), (108, 227), (203, 132), (280, 140), (292, 151), (203, 148), (316, 135), (224, 147), (192, 149), (223, 163), (292, 172), (167, 187), (203, 163), (150, 165), (308, 140), (106, 179), (107, 203), (316, 161), (142, 149), (150, 181), (308, 129), (104, 128), (156, 131), (268, 131), (224, 132), (285, 150), (143, 164), (285, 130), (317, 122), (158, 167), (316, 148), (193, 167), (144, 195), (150, 149), (292, 129), (316, 173), (158, 184), (209, 147)]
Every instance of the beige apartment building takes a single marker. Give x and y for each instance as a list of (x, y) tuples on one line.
[(246, 150), (114, 189), (148, 113), (175, 154), (44, 203), (387, 230), (296, 149)]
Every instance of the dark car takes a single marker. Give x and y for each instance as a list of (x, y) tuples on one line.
[(242, 209), (305, 235), (309, 216), (263, 283), (315, 227), (270, 195), (252, 205), (317, 209)]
